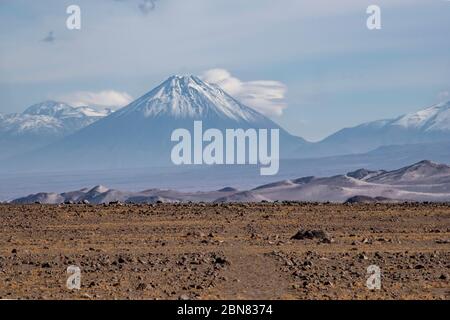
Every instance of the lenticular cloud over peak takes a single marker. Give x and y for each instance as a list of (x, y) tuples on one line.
[(265, 96)]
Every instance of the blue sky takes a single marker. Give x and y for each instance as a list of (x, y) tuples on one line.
[(320, 63)]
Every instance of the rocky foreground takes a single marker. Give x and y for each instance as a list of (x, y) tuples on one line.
[(225, 251)]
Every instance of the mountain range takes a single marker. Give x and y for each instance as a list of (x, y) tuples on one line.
[(42, 124), (140, 134), (430, 125), (54, 136), (423, 181)]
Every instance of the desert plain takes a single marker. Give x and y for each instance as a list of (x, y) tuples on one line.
[(286, 250)]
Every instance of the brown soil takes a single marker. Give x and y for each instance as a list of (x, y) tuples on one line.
[(229, 251)]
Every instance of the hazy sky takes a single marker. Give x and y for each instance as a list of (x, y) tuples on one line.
[(312, 66)]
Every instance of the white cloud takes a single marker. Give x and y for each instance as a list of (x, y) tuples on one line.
[(265, 96), (107, 98)]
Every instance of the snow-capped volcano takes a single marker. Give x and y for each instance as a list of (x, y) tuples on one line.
[(430, 125), (60, 110), (49, 118), (42, 124), (23, 124), (140, 134), (189, 97), (434, 118)]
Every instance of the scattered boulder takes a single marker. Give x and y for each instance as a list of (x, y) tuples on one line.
[(141, 287), (367, 199), (362, 256), (196, 234), (321, 235), (221, 261)]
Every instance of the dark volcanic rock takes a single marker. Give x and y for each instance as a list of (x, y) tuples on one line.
[(228, 189), (313, 234), (366, 199)]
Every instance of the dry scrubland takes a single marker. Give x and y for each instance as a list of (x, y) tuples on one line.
[(228, 251)]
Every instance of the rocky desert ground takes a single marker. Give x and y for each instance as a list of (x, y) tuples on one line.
[(225, 251)]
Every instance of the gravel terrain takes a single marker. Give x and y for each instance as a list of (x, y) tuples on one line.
[(225, 251)]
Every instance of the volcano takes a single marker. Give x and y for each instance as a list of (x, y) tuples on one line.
[(139, 135)]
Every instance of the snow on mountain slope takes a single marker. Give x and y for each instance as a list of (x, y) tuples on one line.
[(430, 125), (90, 112), (60, 110), (139, 134), (42, 124), (434, 118), (49, 118), (21, 124), (190, 97)]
